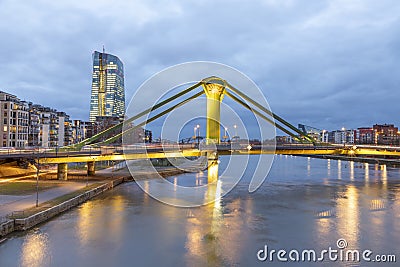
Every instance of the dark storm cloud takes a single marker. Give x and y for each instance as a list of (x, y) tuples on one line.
[(324, 63)]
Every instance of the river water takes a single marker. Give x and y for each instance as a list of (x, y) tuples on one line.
[(305, 203)]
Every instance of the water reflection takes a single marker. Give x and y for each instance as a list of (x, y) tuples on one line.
[(329, 167), (366, 174), (351, 170), (215, 232), (35, 250), (124, 225), (203, 230), (384, 175), (348, 215), (85, 230), (94, 224)]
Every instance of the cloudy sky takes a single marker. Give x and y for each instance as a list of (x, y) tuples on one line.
[(325, 63)]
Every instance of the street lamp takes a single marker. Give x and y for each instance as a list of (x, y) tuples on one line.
[(198, 136), (235, 126), (225, 133), (37, 179), (198, 127), (344, 136), (87, 175)]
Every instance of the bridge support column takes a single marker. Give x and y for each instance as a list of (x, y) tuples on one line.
[(91, 168), (62, 171), (214, 88)]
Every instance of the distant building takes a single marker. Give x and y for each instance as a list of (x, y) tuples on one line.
[(108, 91), (284, 139), (82, 130), (34, 126), (386, 134), (365, 135), (77, 131), (14, 117), (89, 129), (342, 136), (49, 134), (312, 132), (24, 124), (103, 123), (379, 134), (65, 137), (148, 136)]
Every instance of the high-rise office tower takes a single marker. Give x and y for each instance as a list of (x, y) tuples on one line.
[(108, 92)]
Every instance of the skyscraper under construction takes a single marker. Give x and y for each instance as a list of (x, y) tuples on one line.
[(108, 91)]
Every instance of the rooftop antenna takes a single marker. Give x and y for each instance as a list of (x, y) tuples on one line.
[(104, 50)]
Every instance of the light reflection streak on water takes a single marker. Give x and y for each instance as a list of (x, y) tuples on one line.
[(146, 197), (308, 166), (85, 230), (91, 225), (339, 166), (329, 167), (203, 230), (212, 235), (323, 226), (348, 213), (36, 250), (175, 183), (116, 218), (351, 170), (366, 174), (384, 175)]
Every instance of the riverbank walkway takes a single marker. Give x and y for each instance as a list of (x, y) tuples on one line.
[(14, 203)]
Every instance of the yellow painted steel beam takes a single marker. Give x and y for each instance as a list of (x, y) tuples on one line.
[(196, 153), (372, 152), (279, 152), (118, 157)]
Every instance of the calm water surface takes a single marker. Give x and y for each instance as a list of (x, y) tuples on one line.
[(305, 203)]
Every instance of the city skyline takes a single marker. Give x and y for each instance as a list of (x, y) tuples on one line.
[(327, 64)]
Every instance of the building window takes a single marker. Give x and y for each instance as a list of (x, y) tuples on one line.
[(5, 128)]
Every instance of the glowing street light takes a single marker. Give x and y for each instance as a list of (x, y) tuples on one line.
[(235, 126), (225, 133)]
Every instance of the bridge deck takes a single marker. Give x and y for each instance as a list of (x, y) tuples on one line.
[(118, 154)]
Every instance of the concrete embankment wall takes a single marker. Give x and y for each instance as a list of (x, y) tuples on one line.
[(27, 223), (6, 227)]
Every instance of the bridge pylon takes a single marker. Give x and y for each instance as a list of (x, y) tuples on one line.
[(214, 89)]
